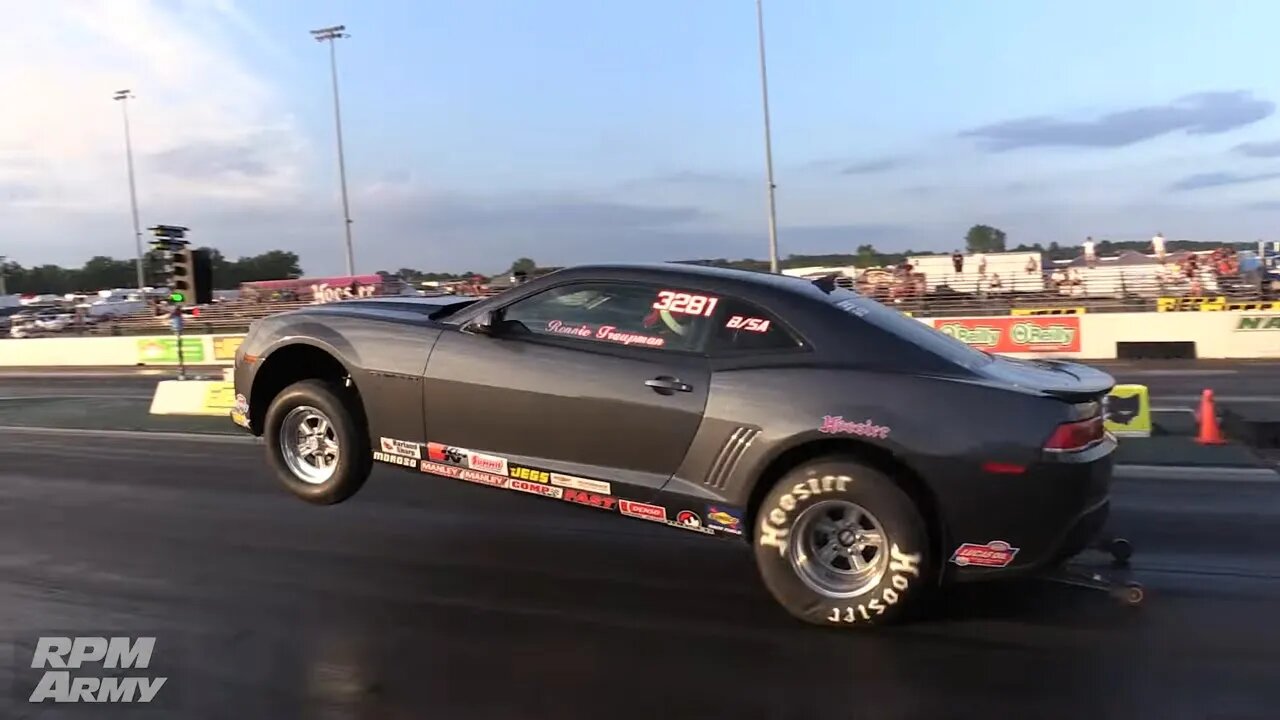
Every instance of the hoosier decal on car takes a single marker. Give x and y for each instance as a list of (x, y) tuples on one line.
[(447, 454), (535, 488), (577, 483), (474, 476), (582, 497), (643, 510), (400, 460), (689, 520), (838, 425), (486, 463), (403, 448), (724, 519), (995, 554)]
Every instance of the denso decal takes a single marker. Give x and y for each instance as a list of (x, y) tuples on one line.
[(642, 510), (838, 425), (577, 483), (724, 519), (446, 454), (585, 498), (486, 463), (395, 459), (535, 488), (995, 554), (524, 473), (404, 448)]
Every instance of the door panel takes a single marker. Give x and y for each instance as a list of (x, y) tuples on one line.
[(576, 408)]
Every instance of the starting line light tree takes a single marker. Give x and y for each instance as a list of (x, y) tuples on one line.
[(186, 271)]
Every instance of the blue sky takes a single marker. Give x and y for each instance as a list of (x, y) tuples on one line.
[(479, 131)]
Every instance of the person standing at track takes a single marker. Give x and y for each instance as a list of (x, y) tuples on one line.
[(1090, 255), (1157, 246)]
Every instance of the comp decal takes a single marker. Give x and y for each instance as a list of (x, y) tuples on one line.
[(400, 460), (995, 554), (724, 519), (403, 448), (837, 425), (750, 324), (536, 488)]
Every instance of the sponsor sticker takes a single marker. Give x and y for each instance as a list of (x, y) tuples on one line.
[(724, 519), (447, 454), (577, 483), (1015, 334), (400, 460), (689, 520), (240, 411), (995, 554), (524, 473), (435, 468), (403, 448), (486, 463), (535, 488), (642, 510), (583, 497), (836, 425), (475, 476)]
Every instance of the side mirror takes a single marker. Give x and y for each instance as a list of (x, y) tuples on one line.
[(482, 324)]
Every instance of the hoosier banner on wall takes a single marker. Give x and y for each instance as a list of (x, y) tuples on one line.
[(1015, 334)]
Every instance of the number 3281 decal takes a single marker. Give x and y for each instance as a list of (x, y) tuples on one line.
[(678, 302)]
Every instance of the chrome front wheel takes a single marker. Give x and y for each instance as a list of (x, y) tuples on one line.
[(309, 444), (840, 549)]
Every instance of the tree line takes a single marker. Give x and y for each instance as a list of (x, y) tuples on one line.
[(102, 273)]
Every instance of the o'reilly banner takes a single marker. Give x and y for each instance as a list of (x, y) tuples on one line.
[(1258, 322)]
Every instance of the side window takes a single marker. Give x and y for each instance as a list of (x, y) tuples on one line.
[(632, 314), (740, 326)]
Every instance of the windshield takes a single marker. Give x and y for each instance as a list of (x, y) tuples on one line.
[(908, 329)]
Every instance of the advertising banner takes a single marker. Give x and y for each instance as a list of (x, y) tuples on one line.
[(165, 350), (1059, 334), (225, 347)]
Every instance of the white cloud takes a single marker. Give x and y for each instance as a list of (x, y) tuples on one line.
[(61, 136)]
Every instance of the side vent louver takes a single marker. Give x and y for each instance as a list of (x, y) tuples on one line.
[(727, 459)]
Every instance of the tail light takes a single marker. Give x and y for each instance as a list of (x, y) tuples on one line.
[(1076, 436)]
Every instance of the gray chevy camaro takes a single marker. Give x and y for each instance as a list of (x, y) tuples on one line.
[(864, 457)]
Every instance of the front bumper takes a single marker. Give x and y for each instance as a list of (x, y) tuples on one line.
[(1034, 520)]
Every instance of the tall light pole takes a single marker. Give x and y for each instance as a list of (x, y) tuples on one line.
[(331, 34), (124, 96), (768, 143)]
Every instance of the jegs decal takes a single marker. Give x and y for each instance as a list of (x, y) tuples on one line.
[(835, 425), (685, 303), (739, 322), (995, 554), (524, 473)]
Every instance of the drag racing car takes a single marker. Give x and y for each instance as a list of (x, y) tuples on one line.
[(866, 458)]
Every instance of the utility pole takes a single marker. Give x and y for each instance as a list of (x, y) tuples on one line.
[(124, 96), (768, 143), (3, 261), (330, 34)]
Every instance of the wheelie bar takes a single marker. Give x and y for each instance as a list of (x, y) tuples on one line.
[(1128, 592)]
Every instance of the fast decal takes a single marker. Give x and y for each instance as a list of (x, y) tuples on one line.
[(400, 460), (738, 322), (403, 448), (995, 554), (685, 303), (608, 333), (486, 463), (536, 488), (524, 473), (724, 519), (577, 483), (583, 497), (905, 567), (689, 520), (446, 454), (837, 425), (643, 510), (475, 476)]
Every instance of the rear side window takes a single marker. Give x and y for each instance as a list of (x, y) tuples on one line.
[(908, 329), (740, 326)]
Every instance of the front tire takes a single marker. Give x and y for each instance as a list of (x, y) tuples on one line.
[(318, 449), (839, 543)]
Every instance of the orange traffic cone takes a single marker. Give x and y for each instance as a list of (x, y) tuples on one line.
[(1210, 433)]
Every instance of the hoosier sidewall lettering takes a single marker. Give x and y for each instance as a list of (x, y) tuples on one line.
[(907, 571)]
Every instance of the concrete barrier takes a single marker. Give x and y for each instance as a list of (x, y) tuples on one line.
[(137, 350), (210, 398)]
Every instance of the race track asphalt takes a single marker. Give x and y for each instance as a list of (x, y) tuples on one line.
[(429, 598)]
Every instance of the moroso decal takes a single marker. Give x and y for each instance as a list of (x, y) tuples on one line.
[(486, 463), (642, 510), (404, 448), (395, 459), (577, 483), (524, 473), (724, 519), (586, 498), (475, 476), (535, 488), (447, 454), (995, 554)]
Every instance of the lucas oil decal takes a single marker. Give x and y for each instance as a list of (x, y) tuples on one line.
[(995, 554)]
